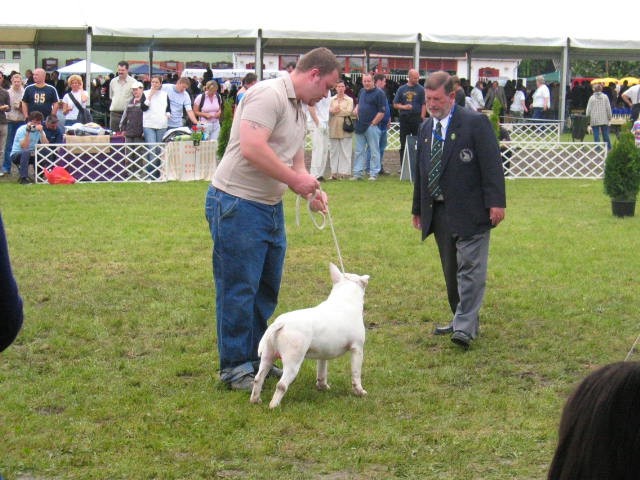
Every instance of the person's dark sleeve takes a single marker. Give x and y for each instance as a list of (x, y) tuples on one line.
[(11, 314)]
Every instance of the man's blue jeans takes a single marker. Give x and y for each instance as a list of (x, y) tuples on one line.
[(249, 246), (605, 134), (22, 160), (12, 128), (383, 146), (370, 138)]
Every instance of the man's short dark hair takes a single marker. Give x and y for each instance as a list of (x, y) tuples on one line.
[(123, 63), (52, 119), (321, 58), (439, 79), (249, 78), (35, 115), (379, 76)]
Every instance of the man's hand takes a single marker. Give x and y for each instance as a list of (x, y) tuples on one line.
[(496, 215), (318, 202), (304, 184), (417, 224)]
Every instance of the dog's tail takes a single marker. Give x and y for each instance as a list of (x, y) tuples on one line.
[(268, 335)]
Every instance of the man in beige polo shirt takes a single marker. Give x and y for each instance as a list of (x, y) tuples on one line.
[(120, 94), (264, 156)]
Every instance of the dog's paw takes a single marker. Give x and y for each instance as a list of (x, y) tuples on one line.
[(322, 386), (359, 391), (255, 399)]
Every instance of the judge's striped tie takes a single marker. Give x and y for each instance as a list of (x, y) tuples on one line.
[(433, 179)]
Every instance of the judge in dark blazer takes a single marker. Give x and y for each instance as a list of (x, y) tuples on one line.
[(460, 201)]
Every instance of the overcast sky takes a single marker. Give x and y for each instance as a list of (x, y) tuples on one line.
[(559, 18)]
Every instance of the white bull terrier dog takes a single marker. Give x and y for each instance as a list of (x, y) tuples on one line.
[(323, 332)]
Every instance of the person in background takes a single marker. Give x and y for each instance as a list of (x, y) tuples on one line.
[(320, 136), (69, 108), (380, 81), (599, 113), (40, 96), (371, 109), (5, 106), (11, 312), (24, 145), (207, 108), (156, 113), (518, 106), (52, 130), (179, 102), (249, 80), (598, 434), (541, 99), (155, 116), (631, 98), (409, 101), (4, 81), (15, 119), (131, 121), (459, 196), (461, 97), (477, 94), (120, 92), (244, 208), (340, 142)]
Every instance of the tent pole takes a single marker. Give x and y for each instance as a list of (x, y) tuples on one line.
[(416, 53), (258, 66), (564, 81), (87, 84), (150, 60)]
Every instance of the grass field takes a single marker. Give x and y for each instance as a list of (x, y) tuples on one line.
[(114, 373)]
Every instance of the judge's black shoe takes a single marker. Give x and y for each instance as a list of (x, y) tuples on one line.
[(448, 330), (461, 339)]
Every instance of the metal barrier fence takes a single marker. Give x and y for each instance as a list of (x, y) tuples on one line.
[(128, 162), (393, 138), (543, 131), (553, 160)]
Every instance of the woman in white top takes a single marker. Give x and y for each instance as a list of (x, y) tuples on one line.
[(156, 113), (208, 107), (541, 99), (69, 108), (518, 105)]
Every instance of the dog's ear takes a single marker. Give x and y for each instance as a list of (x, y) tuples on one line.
[(364, 280), (336, 275)]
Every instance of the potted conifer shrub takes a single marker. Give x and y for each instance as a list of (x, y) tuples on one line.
[(622, 174)]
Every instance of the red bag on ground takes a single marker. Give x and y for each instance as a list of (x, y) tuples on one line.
[(58, 175)]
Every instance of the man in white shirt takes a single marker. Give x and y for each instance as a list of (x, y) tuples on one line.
[(477, 95), (320, 138)]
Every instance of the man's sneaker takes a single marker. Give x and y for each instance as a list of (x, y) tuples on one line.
[(373, 179), (25, 181), (275, 372), (244, 383)]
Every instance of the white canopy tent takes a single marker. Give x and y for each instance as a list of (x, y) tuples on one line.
[(557, 32), (81, 67)]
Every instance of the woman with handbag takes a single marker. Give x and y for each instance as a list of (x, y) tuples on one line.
[(74, 103), (340, 128)]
